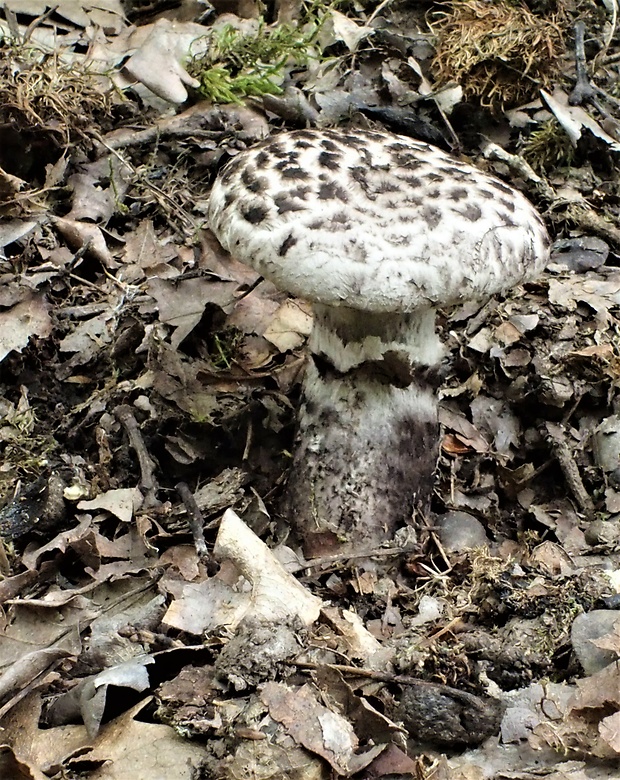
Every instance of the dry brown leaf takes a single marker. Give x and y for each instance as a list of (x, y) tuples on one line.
[(157, 61), (81, 234), (132, 747), (317, 728), (465, 432), (290, 325), (574, 119), (121, 502), (20, 323), (182, 304)]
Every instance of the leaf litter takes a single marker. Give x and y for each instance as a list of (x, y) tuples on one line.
[(148, 387)]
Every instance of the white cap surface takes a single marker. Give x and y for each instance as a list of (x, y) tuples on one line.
[(374, 221)]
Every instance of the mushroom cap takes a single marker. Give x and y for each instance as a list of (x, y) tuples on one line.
[(374, 221)]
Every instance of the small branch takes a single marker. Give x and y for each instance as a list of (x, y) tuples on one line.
[(336, 560), (579, 213), (565, 457), (522, 168), (590, 221), (196, 522), (387, 677), (148, 483), (583, 91)]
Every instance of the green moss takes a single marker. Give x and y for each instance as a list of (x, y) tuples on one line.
[(240, 65), (548, 148)]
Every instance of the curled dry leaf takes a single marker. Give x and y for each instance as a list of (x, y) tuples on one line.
[(157, 61), (276, 594), (574, 119)]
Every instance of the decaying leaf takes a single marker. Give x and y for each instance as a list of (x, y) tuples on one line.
[(575, 119), (22, 322), (122, 502)]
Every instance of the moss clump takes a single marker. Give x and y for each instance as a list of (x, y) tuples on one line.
[(250, 64), (548, 148), (40, 91), (500, 52)]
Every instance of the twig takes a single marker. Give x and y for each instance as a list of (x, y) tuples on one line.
[(522, 168), (331, 560), (196, 522), (612, 27), (38, 22), (195, 519), (580, 213), (583, 91), (564, 456), (398, 679), (148, 483), (588, 220)]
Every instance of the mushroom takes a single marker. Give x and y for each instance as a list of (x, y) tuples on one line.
[(377, 230)]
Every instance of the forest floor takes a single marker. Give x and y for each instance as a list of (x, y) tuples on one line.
[(149, 385)]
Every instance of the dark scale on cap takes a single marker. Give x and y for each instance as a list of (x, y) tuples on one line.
[(261, 184), (251, 181), (307, 135), (471, 212), (431, 216), (398, 241), (508, 220), (458, 193), (300, 191), (254, 214), (295, 173), (329, 160), (372, 135), (487, 194), (285, 203), (278, 152), (288, 242), (330, 146), (404, 160), (360, 175), (301, 144), (332, 191), (229, 199), (458, 175), (503, 187), (412, 181), (455, 171), (507, 204), (248, 175), (387, 186), (433, 178), (262, 159), (397, 147), (336, 226)]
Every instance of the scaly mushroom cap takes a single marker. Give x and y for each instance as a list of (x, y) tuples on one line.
[(374, 221)]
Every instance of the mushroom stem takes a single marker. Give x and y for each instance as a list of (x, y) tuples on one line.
[(366, 446)]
